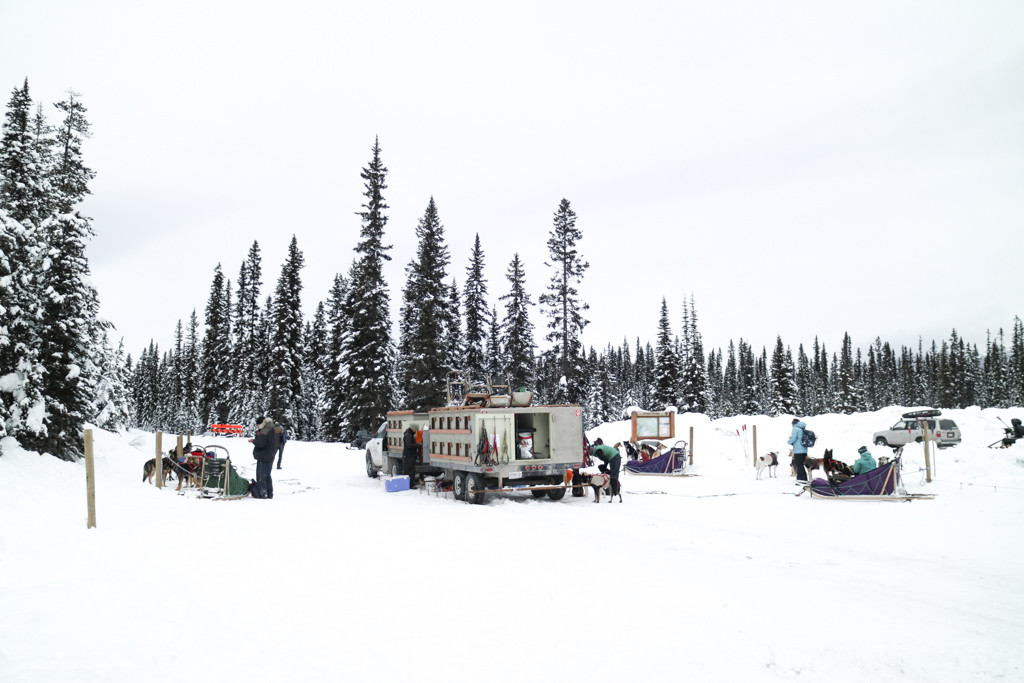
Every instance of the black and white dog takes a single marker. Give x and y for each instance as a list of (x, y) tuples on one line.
[(768, 461), (603, 483)]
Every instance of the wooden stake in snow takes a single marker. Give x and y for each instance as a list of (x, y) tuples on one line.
[(159, 460), (754, 428), (691, 444), (90, 480)]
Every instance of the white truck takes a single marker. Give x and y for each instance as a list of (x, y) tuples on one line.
[(481, 449)]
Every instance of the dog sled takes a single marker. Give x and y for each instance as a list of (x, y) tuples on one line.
[(218, 478), (671, 462), (881, 483)]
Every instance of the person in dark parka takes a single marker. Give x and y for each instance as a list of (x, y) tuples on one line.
[(410, 449), (264, 452)]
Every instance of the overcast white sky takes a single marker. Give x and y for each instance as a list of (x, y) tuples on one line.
[(802, 168)]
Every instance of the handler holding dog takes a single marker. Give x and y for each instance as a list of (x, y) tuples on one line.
[(799, 451), (612, 461)]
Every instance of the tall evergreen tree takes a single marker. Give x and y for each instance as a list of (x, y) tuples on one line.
[(783, 381), (335, 419), (248, 392), (216, 356), (475, 307), (284, 382), (517, 330), (563, 306), (666, 383), (369, 355), (22, 209), (69, 325), (848, 396), (422, 365)]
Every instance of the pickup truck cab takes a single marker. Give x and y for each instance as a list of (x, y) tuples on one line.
[(375, 449)]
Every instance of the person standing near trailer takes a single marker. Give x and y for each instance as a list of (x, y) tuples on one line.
[(612, 460)]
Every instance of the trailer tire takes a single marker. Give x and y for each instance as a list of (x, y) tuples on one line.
[(474, 489), (556, 494), (459, 486), (371, 471), (539, 493)]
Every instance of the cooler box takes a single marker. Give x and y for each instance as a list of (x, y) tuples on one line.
[(400, 483)]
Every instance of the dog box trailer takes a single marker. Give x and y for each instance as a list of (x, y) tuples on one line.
[(481, 449)]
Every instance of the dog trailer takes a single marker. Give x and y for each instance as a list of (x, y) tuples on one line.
[(480, 448)]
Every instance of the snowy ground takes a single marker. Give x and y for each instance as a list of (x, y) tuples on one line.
[(712, 578)]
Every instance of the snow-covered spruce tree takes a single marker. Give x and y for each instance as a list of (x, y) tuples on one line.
[(247, 389), (313, 377), (605, 403), (666, 382), (216, 357), (847, 396), (336, 409), (803, 380), (1016, 393), (783, 381), (693, 380), (451, 337), (23, 192), (475, 307), (69, 307), (191, 377), (284, 382), (563, 307), (715, 385), (112, 412), (517, 330), (370, 354), (495, 354), (747, 378), (422, 365)]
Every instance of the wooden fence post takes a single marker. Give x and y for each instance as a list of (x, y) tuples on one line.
[(159, 460), (90, 480), (691, 444), (754, 429)]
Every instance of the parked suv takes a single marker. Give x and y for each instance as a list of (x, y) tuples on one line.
[(944, 431)]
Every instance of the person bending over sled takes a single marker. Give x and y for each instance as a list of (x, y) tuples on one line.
[(611, 461)]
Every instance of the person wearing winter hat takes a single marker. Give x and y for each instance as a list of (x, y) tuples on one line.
[(612, 459), (263, 450), (865, 463), (799, 450)]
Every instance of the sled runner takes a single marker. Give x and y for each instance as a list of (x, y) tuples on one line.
[(881, 483)]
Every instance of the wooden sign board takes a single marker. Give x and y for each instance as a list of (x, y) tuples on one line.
[(654, 425)]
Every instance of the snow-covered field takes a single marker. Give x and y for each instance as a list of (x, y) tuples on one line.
[(712, 578)]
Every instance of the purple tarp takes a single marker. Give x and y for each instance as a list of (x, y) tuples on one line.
[(671, 461), (880, 481)]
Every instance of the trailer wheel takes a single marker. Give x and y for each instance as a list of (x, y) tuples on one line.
[(556, 494), (459, 486), (539, 493), (371, 471), (396, 467), (474, 489)]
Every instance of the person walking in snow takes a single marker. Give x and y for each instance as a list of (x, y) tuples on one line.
[(280, 436), (612, 460), (799, 450), (263, 450), (865, 463)]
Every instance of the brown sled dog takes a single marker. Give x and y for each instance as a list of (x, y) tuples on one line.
[(149, 470)]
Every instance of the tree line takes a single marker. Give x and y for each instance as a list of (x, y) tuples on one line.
[(341, 371)]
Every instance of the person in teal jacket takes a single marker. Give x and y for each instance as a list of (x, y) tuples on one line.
[(865, 463), (799, 450), (612, 461)]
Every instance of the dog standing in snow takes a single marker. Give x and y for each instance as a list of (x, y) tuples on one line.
[(603, 483), (768, 461)]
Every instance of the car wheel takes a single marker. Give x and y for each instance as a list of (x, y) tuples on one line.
[(918, 440), (474, 489), (371, 471), (880, 441), (459, 486)]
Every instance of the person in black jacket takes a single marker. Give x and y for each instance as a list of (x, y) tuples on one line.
[(264, 452), (280, 436), (410, 449)]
